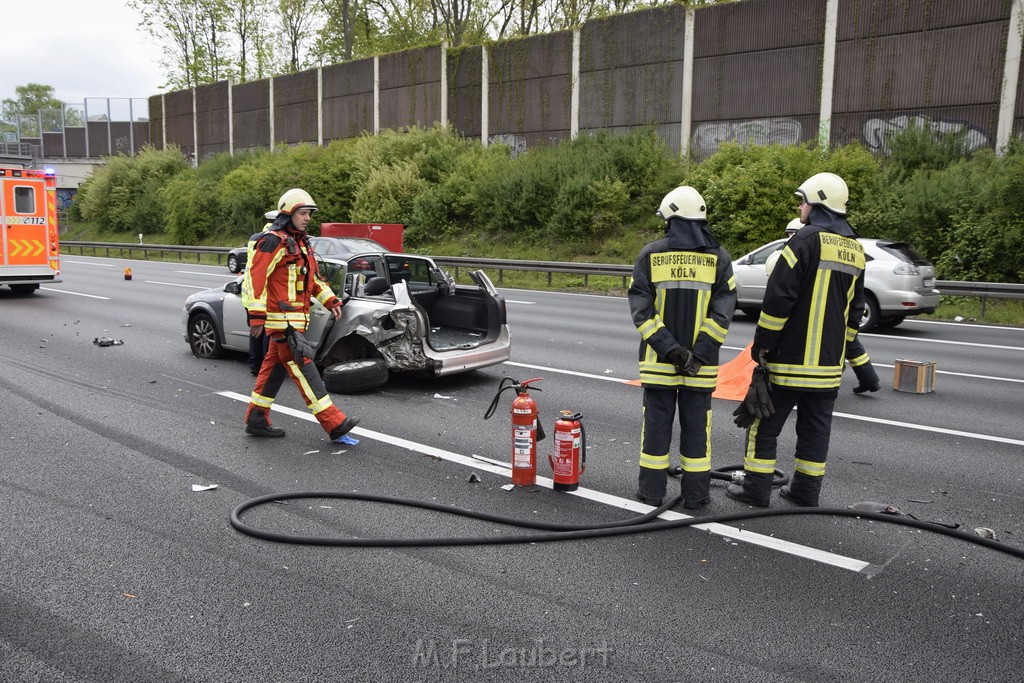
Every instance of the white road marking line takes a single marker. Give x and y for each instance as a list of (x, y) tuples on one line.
[(229, 276), (934, 430), (90, 263), (956, 324), (174, 284), (513, 301), (67, 291), (947, 341), (567, 372), (753, 538)]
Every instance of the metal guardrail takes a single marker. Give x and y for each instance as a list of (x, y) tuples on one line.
[(106, 247), (978, 290)]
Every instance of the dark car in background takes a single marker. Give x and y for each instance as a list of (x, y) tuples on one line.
[(898, 282), (340, 247)]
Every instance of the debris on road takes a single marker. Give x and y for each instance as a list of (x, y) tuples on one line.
[(107, 341), (203, 487)]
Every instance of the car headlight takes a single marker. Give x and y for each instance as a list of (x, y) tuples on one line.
[(906, 269)]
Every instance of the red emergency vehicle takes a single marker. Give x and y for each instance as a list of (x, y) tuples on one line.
[(29, 248)]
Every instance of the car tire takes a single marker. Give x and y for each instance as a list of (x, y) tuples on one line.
[(872, 315), (233, 263), (202, 337), (887, 323), (356, 376)]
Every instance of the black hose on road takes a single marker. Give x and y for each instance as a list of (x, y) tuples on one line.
[(563, 532)]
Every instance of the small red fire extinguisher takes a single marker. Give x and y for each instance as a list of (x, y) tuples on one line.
[(570, 457), (526, 430)]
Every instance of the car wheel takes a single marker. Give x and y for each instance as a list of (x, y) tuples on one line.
[(202, 337), (890, 322), (872, 315), (356, 376), (233, 263)]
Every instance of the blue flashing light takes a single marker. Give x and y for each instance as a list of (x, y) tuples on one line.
[(49, 172)]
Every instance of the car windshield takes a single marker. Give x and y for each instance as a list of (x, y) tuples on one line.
[(904, 252)]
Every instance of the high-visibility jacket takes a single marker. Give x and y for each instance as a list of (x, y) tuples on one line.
[(282, 281), (813, 305), (683, 294)]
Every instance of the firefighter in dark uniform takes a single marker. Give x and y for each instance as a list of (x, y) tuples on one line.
[(856, 354), (280, 283), (682, 300), (811, 311)]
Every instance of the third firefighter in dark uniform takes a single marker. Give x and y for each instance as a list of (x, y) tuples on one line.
[(682, 300), (811, 311)]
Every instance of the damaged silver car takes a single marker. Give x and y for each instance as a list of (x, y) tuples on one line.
[(402, 313)]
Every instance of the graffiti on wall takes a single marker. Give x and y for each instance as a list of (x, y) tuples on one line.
[(515, 143), (780, 131), (64, 198), (878, 132)]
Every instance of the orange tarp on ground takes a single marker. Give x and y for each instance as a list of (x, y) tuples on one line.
[(734, 376)]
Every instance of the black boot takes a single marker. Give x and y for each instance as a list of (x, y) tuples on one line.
[(651, 485), (755, 490), (257, 423), (696, 489), (803, 490), (344, 428)]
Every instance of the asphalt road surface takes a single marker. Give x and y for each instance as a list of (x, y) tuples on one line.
[(114, 569)]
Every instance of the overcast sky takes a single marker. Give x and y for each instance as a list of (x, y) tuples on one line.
[(83, 48)]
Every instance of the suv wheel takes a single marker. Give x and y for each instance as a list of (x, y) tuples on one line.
[(872, 316), (356, 376)]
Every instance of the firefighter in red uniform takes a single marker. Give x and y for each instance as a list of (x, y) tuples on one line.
[(682, 300), (811, 311), (283, 278)]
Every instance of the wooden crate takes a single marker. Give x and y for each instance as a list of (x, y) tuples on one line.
[(916, 377)]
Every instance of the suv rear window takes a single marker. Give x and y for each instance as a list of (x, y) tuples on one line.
[(904, 252)]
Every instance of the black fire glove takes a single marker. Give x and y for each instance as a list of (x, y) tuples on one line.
[(686, 363), (302, 350), (867, 378), (743, 417), (758, 402)]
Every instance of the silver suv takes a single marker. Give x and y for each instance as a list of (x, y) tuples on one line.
[(403, 313), (897, 282)]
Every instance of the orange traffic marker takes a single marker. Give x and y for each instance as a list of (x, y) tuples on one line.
[(127, 273), (734, 376)]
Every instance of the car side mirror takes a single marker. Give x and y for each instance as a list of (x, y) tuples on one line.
[(233, 287)]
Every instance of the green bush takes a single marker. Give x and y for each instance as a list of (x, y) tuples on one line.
[(589, 198), (124, 195)]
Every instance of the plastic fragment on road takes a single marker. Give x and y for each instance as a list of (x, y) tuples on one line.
[(473, 478), (107, 341), (508, 487), (203, 487), (440, 396)]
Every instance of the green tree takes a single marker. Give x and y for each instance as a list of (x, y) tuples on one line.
[(34, 98)]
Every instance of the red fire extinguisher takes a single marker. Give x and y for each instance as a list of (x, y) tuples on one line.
[(570, 457), (526, 430)]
